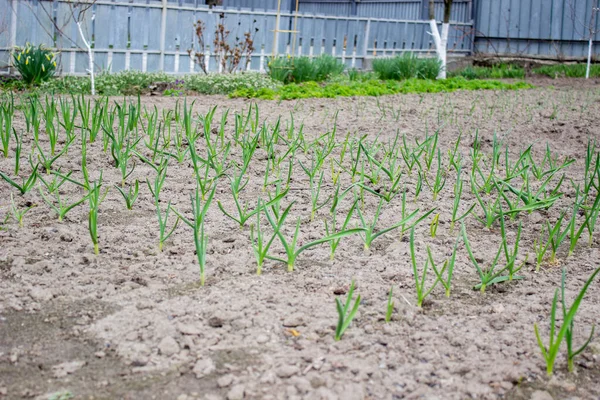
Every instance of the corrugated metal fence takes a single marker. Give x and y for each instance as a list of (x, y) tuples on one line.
[(555, 28), (152, 35)]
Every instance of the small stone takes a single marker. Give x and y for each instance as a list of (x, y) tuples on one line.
[(100, 354), (286, 371), (168, 346), (225, 381), (262, 339), (317, 382), (498, 308), (203, 367), (183, 397), (67, 368), (268, 377), (541, 395), (236, 393), (40, 294), (293, 321), (189, 329), (215, 322)]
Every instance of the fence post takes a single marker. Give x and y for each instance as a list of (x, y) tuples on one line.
[(163, 36), (366, 44), (13, 32)]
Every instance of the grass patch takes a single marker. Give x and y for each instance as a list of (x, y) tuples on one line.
[(500, 71), (304, 69), (406, 66), (568, 71), (375, 87), (512, 71)]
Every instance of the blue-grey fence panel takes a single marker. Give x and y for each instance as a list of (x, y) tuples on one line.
[(392, 9), (260, 4), (555, 28), (5, 34), (126, 35)]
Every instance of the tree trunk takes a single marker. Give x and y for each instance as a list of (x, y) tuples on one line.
[(440, 40), (90, 58)]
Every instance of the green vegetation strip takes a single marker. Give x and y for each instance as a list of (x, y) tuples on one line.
[(374, 88)]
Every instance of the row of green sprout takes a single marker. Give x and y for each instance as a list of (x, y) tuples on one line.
[(377, 170)]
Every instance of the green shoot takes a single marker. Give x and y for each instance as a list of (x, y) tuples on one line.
[(422, 292), (18, 213), (131, 195), (26, 185), (571, 354), (390, 306), (487, 276), (155, 189), (369, 234), (550, 353), (60, 208), (95, 199), (345, 314), (291, 251), (199, 211)]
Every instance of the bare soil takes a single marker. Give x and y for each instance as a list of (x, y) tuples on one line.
[(134, 323)]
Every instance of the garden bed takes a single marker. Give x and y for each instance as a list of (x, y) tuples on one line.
[(134, 322)]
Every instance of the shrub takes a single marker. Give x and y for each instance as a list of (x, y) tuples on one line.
[(407, 66), (304, 69), (35, 64)]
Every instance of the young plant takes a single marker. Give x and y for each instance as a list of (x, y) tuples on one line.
[(131, 195), (315, 191), (491, 210), (422, 292), (487, 276), (155, 189), (6, 129), (511, 255), (60, 208), (440, 178), (390, 306), (345, 314), (331, 229), (259, 244), (448, 268), (199, 211), (551, 352), (571, 354), (278, 219), (18, 213), (26, 185), (368, 232), (433, 226), (458, 188), (243, 214), (95, 198)]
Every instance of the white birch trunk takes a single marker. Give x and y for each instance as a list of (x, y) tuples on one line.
[(90, 69), (441, 44), (589, 58)]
